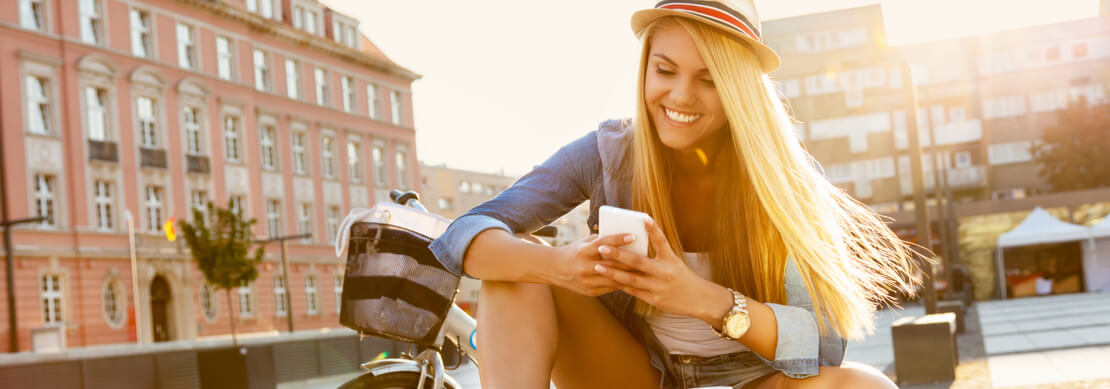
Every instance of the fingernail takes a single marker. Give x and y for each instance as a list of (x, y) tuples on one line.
[(599, 268), (603, 249), (629, 238)]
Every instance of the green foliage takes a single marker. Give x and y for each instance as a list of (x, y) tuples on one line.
[(1075, 154), (221, 246)]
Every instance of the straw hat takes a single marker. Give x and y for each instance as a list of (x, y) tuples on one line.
[(736, 17)]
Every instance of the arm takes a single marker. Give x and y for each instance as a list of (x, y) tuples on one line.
[(481, 242)]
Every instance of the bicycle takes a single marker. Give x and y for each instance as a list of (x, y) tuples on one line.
[(426, 369)]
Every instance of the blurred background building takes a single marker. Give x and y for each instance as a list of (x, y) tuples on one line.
[(985, 101), (150, 108)]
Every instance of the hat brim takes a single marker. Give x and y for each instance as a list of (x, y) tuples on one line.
[(768, 59)]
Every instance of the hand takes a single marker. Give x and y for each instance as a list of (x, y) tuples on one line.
[(574, 269), (665, 282)]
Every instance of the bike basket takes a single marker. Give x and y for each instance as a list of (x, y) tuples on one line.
[(393, 286)]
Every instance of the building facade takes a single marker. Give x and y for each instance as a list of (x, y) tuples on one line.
[(982, 100), (122, 114)]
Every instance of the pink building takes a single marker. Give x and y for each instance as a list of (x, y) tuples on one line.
[(148, 108)]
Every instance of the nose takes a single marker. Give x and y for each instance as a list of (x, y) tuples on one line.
[(682, 94)]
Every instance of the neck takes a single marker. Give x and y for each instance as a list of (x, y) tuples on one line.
[(698, 160)]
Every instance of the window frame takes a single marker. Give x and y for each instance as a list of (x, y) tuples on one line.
[(304, 220), (268, 146), (208, 305), (119, 303), (234, 134), (44, 197), (280, 308), (347, 84), (262, 70), (300, 148), (225, 59), (401, 166), (332, 216), (377, 156), (320, 77), (104, 205), (396, 107), (293, 79), (40, 106), (312, 295), (39, 21), (188, 47), (52, 298), (91, 14), (337, 288), (246, 299), (104, 108), (144, 37), (194, 132), (154, 204), (372, 101), (273, 217), (354, 159), (327, 156), (149, 137)]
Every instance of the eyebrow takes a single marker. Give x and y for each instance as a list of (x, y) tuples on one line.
[(665, 58)]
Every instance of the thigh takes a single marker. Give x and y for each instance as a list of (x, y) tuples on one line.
[(595, 350), (847, 375)]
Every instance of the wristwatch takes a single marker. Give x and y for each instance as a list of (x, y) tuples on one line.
[(736, 321)]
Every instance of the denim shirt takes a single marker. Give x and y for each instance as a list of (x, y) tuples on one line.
[(594, 168)]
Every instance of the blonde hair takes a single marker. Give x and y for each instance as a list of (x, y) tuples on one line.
[(772, 201)]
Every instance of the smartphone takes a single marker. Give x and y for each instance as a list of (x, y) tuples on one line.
[(613, 220)]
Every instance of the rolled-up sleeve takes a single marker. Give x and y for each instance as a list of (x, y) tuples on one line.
[(801, 349), (547, 192)]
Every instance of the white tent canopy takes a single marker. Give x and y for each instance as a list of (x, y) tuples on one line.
[(1040, 227), (1102, 229)]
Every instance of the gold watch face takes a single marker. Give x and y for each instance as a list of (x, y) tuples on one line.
[(737, 324)]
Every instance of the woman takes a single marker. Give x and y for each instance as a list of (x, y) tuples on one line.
[(777, 266)]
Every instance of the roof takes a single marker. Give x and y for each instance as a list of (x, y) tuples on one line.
[(1039, 228)]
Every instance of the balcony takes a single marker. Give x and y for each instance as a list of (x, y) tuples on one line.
[(152, 158), (103, 151), (197, 164)]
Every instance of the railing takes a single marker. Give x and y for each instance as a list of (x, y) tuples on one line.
[(197, 164), (103, 151), (153, 158)]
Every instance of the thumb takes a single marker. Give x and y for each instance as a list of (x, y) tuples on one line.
[(658, 240)]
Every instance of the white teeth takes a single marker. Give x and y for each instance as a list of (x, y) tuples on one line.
[(680, 117)]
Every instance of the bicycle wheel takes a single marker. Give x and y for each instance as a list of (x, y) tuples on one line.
[(395, 380)]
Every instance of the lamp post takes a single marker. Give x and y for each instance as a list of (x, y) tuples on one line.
[(13, 329), (921, 210), (285, 272), (134, 275)]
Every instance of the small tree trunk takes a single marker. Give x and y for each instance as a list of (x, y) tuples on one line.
[(231, 316)]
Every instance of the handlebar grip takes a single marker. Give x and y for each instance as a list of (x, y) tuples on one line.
[(403, 197)]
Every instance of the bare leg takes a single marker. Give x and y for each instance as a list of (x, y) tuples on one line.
[(847, 375)]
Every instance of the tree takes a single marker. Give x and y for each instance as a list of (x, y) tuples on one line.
[(1075, 154), (220, 244)]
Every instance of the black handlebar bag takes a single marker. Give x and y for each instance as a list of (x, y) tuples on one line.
[(393, 286)]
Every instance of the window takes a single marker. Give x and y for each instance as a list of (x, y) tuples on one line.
[(225, 58), (91, 21), (1079, 50), (231, 139), (1006, 153), (52, 299), (279, 296), (1052, 54), (246, 307), (372, 100), (478, 188), (45, 199), (445, 203), (262, 7), (38, 106), (102, 202), (32, 14), (333, 222), (402, 167), (113, 303), (192, 131), (269, 147), (140, 34), (304, 221), (261, 70), (354, 161), (963, 159), (328, 156), (199, 202), (395, 101), (154, 209), (310, 22), (207, 303), (378, 154), (237, 204), (321, 87), (273, 217), (298, 15), (310, 295), (337, 280), (96, 111), (348, 94), (292, 79), (464, 186), (148, 130), (186, 47), (300, 147)]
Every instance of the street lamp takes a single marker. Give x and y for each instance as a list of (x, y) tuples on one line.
[(285, 272), (134, 275), (13, 329)]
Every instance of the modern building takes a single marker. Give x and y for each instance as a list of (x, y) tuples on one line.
[(983, 100), (128, 114)]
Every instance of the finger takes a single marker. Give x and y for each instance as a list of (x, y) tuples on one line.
[(632, 260), (591, 238), (614, 240), (658, 239), (625, 278), (641, 294)]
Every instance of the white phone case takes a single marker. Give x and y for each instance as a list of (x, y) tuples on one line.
[(613, 220)]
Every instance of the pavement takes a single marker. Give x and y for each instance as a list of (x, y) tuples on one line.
[(1057, 342)]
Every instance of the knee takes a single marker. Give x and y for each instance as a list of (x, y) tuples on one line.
[(849, 375)]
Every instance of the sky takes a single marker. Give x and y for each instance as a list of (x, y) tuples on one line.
[(507, 82)]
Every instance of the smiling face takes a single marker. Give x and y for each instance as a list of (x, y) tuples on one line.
[(679, 92)]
